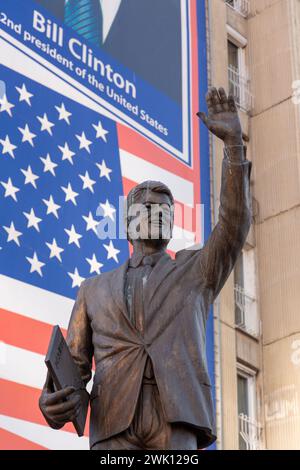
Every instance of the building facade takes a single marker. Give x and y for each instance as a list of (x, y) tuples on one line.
[(254, 52)]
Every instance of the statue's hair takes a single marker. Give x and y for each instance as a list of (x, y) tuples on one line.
[(155, 186)]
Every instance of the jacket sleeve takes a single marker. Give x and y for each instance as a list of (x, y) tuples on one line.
[(220, 252), (79, 336)]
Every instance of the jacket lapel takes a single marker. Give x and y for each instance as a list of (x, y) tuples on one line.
[(163, 267), (118, 291), (160, 271), (118, 286)]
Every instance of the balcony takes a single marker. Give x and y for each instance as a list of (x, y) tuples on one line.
[(250, 432), (246, 317), (241, 6), (239, 86)]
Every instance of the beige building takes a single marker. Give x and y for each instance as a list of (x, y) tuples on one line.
[(254, 48)]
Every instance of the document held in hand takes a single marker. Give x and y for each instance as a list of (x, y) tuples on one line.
[(65, 373)]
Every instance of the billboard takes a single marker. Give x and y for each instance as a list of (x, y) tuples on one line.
[(95, 99)]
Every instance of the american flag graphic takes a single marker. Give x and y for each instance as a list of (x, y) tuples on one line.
[(63, 167), (59, 169)]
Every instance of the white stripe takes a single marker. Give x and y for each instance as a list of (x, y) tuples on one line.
[(109, 12), (43, 435), (25, 367), (184, 72), (138, 170), (34, 302), (22, 366)]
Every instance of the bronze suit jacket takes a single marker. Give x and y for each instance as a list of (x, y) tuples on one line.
[(176, 304)]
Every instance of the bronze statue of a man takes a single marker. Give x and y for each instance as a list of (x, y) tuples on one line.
[(145, 322)]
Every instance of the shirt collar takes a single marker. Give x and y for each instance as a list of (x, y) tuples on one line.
[(109, 12), (137, 258)]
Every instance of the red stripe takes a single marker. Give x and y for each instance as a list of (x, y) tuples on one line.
[(128, 185), (132, 142), (25, 332), (22, 402), (10, 441)]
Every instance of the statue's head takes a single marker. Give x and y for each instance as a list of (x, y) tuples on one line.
[(150, 213)]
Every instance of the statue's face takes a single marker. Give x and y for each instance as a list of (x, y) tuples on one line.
[(151, 217)]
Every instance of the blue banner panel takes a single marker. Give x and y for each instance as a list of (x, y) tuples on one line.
[(117, 88)]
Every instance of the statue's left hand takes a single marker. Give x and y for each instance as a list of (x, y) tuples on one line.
[(223, 119)]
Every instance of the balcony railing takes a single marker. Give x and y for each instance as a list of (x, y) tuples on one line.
[(241, 6), (239, 86), (246, 314), (250, 433)]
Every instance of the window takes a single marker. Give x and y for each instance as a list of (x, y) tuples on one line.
[(246, 306), (233, 55), (249, 428), (234, 71), (239, 84), (241, 6), (239, 291)]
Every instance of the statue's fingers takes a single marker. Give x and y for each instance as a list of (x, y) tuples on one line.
[(217, 106), (215, 95), (55, 397), (66, 417), (209, 102), (223, 99), (64, 407), (231, 102)]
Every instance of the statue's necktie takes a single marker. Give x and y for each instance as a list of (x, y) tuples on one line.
[(85, 17), (138, 279)]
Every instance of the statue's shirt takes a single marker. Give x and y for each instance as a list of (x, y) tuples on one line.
[(139, 270)]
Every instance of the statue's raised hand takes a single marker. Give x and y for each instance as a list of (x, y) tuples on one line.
[(222, 119)]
